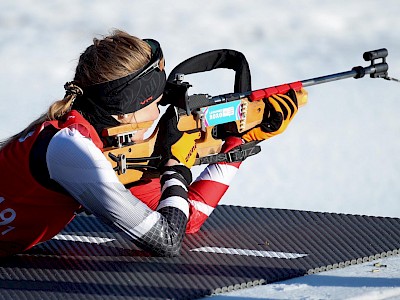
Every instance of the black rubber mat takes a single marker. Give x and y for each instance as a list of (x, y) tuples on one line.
[(238, 247)]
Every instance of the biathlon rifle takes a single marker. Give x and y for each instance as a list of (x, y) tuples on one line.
[(215, 117)]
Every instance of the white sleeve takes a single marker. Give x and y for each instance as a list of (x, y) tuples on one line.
[(81, 168)]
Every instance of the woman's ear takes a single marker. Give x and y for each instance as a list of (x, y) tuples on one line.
[(122, 117)]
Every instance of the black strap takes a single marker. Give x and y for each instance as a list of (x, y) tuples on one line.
[(37, 160), (239, 153)]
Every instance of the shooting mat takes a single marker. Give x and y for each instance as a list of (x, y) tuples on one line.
[(238, 247)]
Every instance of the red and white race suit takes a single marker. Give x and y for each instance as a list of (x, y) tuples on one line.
[(31, 213)]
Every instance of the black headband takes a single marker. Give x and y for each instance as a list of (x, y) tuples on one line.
[(130, 93)]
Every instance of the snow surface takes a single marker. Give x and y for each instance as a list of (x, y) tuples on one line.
[(340, 154), (369, 281)]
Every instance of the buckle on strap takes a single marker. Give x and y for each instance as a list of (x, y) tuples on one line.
[(124, 163), (240, 153)]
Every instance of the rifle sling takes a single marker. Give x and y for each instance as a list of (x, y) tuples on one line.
[(237, 154)]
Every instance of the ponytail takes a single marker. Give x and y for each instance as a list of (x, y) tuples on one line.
[(55, 112)]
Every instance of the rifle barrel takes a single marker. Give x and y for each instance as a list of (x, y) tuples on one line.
[(376, 69), (329, 78)]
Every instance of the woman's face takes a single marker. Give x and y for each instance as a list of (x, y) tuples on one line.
[(149, 113)]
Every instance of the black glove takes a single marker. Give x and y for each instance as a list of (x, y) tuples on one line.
[(172, 143)]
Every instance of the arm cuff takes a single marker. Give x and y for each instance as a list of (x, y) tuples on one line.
[(181, 170)]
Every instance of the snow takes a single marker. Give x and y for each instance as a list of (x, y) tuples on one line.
[(340, 154), (368, 281)]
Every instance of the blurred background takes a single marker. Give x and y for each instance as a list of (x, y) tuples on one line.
[(341, 152)]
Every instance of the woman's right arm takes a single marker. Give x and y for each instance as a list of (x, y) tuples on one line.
[(82, 169)]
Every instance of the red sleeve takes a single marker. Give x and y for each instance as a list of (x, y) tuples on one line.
[(148, 191), (207, 190)]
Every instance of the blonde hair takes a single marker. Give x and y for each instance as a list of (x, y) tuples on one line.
[(112, 57)]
